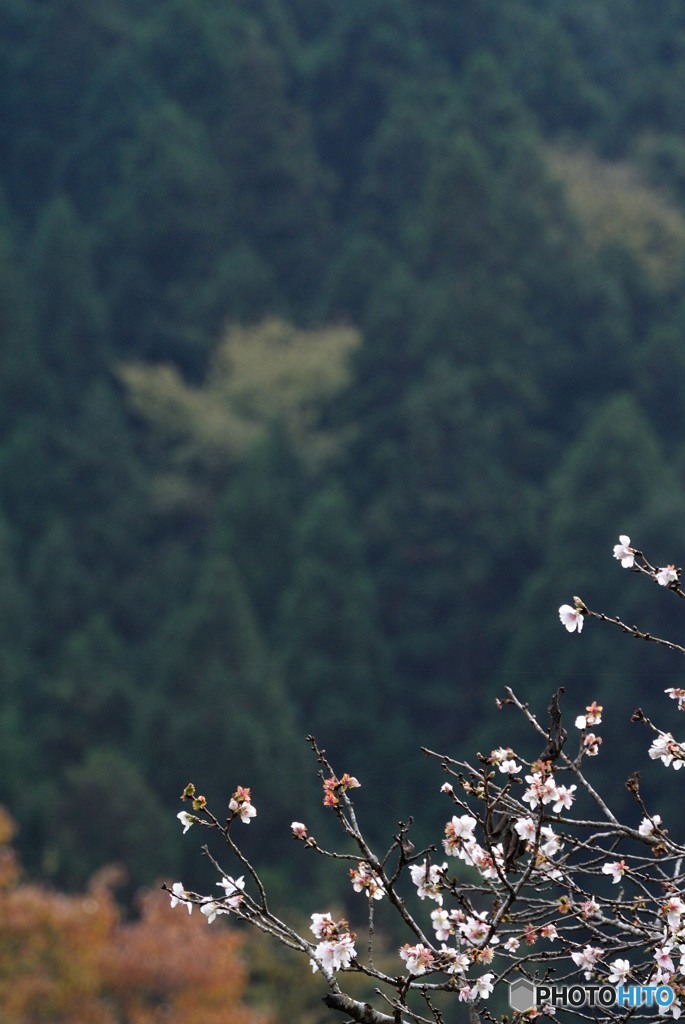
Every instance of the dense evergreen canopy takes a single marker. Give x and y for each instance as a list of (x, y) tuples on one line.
[(339, 341)]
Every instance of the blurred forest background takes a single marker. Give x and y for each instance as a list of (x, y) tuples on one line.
[(339, 341)]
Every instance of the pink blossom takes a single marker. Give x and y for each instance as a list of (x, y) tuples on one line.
[(572, 618), (586, 959), (475, 928), (673, 910), (662, 958), (323, 926), (241, 805), (418, 959), (364, 880), (299, 830), (565, 798), (591, 744), (525, 828)]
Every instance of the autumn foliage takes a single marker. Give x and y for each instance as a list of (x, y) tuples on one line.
[(72, 958)]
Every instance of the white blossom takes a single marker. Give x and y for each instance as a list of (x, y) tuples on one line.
[(667, 575), (179, 895), (619, 972), (624, 552), (187, 820), (647, 826)]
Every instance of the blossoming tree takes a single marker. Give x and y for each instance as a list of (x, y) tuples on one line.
[(535, 880)]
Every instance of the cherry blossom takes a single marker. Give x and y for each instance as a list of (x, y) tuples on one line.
[(323, 926), (667, 575), (333, 786), (592, 716), (234, 894), (418, 959), (670, 752), (624, 552), (572, 618), (335, 954), (187, 820), (335, 950), (475, 928), (212, 908), (428, 880), (552, 843), (483, 986), (589, 908), (677, 693), (299, 830), (549, 932), (364, 880), (591, 744), (617, 870), (619, 972), (457, 832), (673, 910), (586, 959), (541, 790), (456, 962), (241, 805), (179, 895), (564, 798), (662, 958), (648, 826), (442, 924), (525, 828)]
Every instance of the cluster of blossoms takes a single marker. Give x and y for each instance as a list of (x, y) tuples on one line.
[(418, 959), (572, 616), (240, 803), (592, 716), (590, 742), (668, 750), (543, 789), (511, 844), (665, 576), (428, 879), (365, 880), (505, 760), (460, 842), (333, 787), (231, 901), (335, 950)]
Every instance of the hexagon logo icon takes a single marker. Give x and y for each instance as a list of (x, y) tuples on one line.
[(521, 995)]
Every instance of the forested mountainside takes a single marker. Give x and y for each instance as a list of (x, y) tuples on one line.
[(339, 341)]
